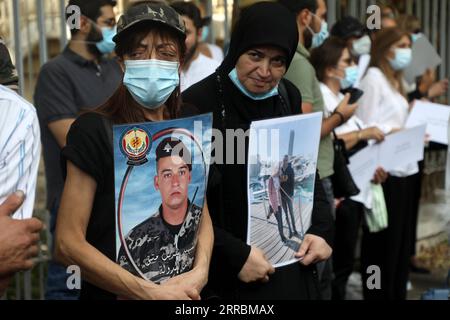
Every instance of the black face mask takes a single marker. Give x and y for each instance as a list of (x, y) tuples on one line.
[(94, 37)]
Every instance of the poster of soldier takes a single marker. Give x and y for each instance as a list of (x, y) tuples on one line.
[(281, 173), (161, 172)]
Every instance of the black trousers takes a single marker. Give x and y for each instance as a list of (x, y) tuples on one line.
[(349, 215), (390, 249), (415, 214)]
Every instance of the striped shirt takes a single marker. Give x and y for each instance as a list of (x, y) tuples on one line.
[(20, 149)]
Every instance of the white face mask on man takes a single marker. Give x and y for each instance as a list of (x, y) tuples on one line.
[(322, 35), (362, 46)]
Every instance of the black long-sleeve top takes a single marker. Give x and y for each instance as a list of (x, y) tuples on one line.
[(227, 196)]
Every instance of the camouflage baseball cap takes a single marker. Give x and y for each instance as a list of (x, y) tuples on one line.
[(156, 12)]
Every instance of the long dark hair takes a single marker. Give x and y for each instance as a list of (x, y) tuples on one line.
[(121, 107)]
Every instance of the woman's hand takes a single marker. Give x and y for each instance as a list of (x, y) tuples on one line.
[(256, 268), (437, 89), (313, 249), (380, 176), (347, 110), (196, 279), (167, 291), (372, 133)]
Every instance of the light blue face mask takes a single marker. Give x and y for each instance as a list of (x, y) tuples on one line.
[(107, 45), (205, 33), (362, 46), (234, 78), (416, 36), (403, 58), (351, 75), (151, 82), (319, 38)]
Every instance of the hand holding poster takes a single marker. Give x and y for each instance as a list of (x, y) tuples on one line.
[(161, 171), (282, 163)]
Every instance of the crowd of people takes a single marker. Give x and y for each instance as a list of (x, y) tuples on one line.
[(152, 65)]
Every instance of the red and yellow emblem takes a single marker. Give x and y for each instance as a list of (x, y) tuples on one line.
[(136, 144)]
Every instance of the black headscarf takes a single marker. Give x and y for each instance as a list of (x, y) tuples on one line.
[(264, 23)]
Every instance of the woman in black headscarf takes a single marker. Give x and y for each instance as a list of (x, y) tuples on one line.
[(248, 86)]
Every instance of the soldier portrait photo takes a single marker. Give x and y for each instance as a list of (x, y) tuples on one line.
[(162, 206)]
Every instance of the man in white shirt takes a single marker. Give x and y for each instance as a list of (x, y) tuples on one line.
[(20, 149), (196, 65)]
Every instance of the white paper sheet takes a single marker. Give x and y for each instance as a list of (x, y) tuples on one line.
[(435, 116), (273, 144), (363, 63), (363, 165), (402, 148), (398, 149), (424, 56)]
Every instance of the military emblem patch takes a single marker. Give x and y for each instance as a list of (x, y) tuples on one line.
[(135, 145)]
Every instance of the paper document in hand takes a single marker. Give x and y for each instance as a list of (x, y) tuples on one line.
[(397, 150), (435, 116), (363, 165), (282, 161), (402, 148), (424, 56)]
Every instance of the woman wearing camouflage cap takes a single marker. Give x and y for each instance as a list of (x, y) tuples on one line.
[(150, 46)]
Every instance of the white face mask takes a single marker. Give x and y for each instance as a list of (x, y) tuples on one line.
[(402, 59), (362, 46), (319, 38)]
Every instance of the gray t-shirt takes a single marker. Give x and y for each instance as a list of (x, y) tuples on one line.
[(66, 85)]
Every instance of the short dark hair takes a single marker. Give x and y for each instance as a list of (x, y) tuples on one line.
[(90, 9), (327, 55), (190, 10), (296, 6), (348, 27)]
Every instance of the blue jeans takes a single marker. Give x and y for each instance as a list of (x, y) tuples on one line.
[(56, 286)]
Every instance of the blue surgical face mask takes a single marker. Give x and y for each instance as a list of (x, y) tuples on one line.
[(205, 33), (151, 82), (402, 59), (416, 36), (234, 78), (319, 38), (361, 46), (351, 75), (107, 45)]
